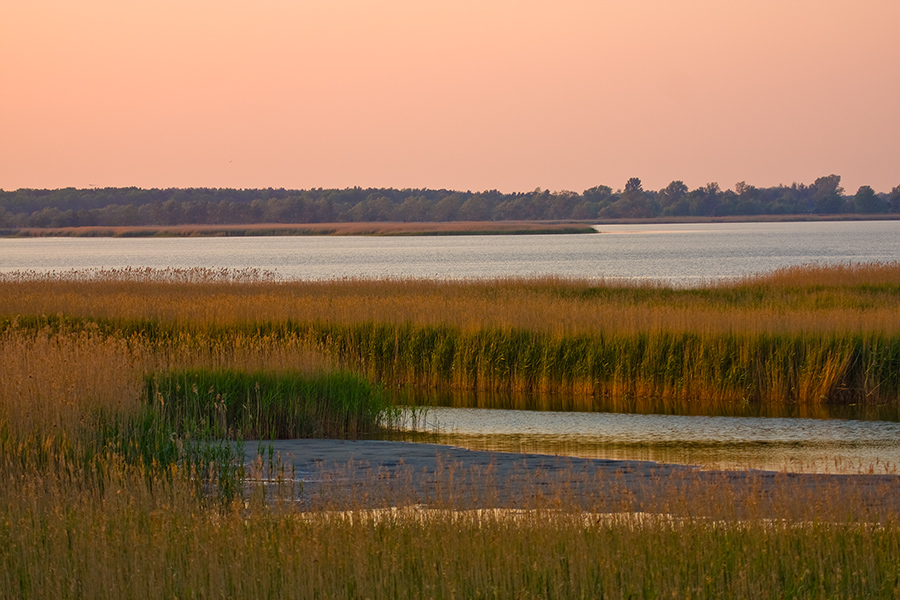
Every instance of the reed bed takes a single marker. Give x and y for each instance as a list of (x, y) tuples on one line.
[(118, 390), (307, 229), (129, 538), (815, 368), (849, 298), (264, 405), (801, 335), (55, 378), (81, 398)]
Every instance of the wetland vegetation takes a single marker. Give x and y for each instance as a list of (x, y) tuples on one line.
[(310, 229), (123, 394)]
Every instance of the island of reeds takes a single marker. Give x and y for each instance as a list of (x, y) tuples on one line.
[(126, 397)]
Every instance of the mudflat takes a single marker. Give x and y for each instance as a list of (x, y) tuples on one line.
[(378, 472)]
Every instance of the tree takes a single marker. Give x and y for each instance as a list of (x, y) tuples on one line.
[(414, 208), (563, 204), (447, 208), (672, 193), (634, 186), (633, 203), (704, 200), (475, 208), (894, 200), (867, 201), (828, 194)]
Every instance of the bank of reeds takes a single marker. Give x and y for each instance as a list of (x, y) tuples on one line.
[(849, 298), (64, 535), (115, 388), (761, 368), (313, 229), (706, 367), (82, 398), (800, 335), (230, 404)]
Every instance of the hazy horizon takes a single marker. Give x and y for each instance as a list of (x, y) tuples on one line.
[(464, 95)]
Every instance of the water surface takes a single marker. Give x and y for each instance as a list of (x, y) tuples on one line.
[(683, 254), (789, 444)]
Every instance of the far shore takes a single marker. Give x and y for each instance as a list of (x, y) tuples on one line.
[(410, 229), (315, 229), (797, 218)]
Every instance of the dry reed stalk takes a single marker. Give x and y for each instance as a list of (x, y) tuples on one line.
[(131, 539), (58, 383), (308, 229), (832, 336), (859, 298), (55, 383)]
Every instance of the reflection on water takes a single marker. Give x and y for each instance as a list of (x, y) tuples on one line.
[(791, 444), (642, 406)]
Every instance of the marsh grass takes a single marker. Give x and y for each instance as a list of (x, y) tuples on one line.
[(108, 492), (806, 369), (308, 229), (131, 539), (233, 404), (80, 397), (800, 335)]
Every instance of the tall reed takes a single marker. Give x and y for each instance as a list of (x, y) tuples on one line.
[(266, 405), (133, 539), (103, 493), (758, 368), (803, 335), (857, 298)]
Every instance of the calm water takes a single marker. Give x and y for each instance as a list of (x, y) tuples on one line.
[(683, 254), (792, 444)]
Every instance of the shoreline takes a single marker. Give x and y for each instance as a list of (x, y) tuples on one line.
[(390, 229), (448, 228)]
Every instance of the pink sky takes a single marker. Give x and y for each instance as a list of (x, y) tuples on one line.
[(462, 94)]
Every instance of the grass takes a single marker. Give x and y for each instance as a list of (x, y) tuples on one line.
[(763, 368), (78, 399), (239, 405), (131, 539), (123, 395), (849, 298), (801, 335)]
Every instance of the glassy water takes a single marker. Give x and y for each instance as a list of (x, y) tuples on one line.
[(789, 444), (682, 254)]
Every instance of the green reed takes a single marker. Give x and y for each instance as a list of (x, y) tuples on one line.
[(228, 403), (815, 367), (843, 367)]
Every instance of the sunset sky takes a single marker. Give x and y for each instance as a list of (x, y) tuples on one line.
[(462, 94)]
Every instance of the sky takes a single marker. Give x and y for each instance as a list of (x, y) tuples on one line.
[(458, 94)]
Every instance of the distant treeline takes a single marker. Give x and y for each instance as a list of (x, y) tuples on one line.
[(117, 207)]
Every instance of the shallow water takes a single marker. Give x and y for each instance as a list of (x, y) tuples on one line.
[(563, 402), (789, 444)]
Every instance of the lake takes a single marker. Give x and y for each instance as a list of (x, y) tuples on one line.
[(681, 254)]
